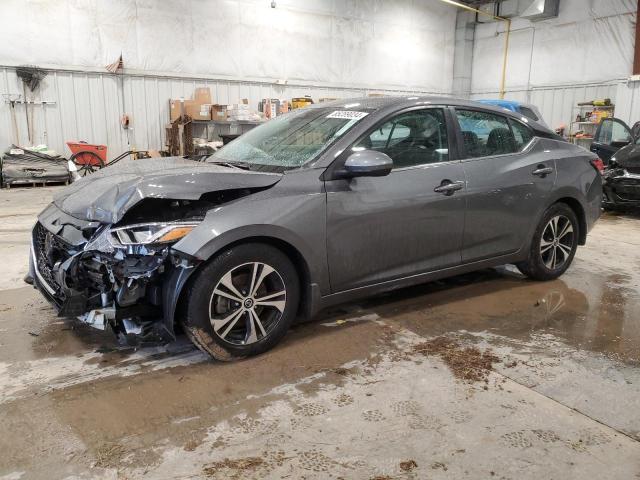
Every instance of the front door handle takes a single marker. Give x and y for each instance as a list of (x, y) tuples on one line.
[(542, 171), (447, 187)]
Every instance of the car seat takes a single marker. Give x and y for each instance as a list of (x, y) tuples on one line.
[(501, 141)]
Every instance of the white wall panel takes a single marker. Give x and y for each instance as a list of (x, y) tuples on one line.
[(590, 42), (584, 54), (393, 44)]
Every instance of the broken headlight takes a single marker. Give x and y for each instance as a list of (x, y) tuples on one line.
[(150, 233)]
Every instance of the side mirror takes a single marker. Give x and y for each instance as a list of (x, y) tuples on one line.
[(367, 163)]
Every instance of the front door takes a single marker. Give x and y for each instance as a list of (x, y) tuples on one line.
[(409, 222), (612, 134), (508, 177)]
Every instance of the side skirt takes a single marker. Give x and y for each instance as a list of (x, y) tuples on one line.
[(371, 290)]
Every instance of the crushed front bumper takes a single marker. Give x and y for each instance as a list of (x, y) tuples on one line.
[(124, 292)]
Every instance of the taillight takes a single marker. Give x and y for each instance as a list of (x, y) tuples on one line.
[(598, 164)]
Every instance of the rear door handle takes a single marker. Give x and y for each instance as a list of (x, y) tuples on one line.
[(542, 171), (447, 187)]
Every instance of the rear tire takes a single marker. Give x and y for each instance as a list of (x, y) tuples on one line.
[(554, 244), (242, 302)]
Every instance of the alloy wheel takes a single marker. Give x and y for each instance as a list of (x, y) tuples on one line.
[(247, 303), (557, 242)]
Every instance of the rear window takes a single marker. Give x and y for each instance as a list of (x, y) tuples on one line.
[(527, 112)]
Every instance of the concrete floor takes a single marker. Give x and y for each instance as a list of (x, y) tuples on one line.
[(348, 396)]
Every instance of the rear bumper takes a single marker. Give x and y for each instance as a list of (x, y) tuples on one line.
[(622, 192)]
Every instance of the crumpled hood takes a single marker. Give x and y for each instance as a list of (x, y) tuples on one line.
[(106, 195), (628, 157)]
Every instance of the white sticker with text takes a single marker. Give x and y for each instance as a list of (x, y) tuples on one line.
[(347, 114)]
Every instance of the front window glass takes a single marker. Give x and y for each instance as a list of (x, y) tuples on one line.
[(291, 140), (485, 134), (410, 139)]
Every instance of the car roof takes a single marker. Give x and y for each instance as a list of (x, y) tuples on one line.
[(390, 103)]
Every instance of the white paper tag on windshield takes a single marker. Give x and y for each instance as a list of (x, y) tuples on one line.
[(347, 114)]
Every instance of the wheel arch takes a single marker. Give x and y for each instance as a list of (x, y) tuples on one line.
[(575, 205), (309, 292)]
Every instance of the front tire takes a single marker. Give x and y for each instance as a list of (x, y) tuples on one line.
[(242, 302), (554, 244)]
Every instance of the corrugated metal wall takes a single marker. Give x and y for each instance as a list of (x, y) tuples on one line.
[(88, 106), (557, 103)]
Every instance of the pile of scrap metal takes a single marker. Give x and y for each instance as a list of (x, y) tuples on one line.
[(31, 166)]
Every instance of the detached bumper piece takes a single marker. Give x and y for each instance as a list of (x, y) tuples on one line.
[(118, 291)]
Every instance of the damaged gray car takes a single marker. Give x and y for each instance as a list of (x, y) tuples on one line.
[(319, 206)]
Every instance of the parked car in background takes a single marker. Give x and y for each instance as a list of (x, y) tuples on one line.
[(526, 109), (612, 135), (618, 146), (319, 206)]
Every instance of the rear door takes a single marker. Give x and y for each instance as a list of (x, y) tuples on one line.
[(408, 222), (612, 134), (507, 183)]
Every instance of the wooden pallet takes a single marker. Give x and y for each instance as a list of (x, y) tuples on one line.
[(34, 183)]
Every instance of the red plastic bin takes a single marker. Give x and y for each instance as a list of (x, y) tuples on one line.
[(85, 153)]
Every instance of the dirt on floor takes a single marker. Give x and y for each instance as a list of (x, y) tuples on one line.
[(232, 469), (466, 363)]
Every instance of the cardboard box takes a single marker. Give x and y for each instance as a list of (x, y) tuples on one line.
[(218, 112), (195, 110), (198, 111), (238, 106), (202, 95), (174, 108)]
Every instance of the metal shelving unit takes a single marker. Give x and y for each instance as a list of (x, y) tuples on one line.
[(215, 128), (589, 128)]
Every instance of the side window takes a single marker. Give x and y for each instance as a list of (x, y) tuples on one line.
[(485, 134), (413, 138), (521, 133)]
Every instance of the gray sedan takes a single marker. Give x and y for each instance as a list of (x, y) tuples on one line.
[(319, 206)]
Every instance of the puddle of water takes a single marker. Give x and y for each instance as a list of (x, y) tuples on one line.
[(598, 312)]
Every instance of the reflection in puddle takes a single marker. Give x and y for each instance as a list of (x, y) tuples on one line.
[(599, 315)]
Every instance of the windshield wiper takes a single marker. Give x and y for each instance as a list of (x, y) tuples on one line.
[(238, 165)]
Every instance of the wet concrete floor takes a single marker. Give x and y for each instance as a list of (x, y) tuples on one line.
[(346, 396)]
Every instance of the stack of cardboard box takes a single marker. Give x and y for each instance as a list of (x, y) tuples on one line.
[(198, 109), (219, 112), (239, 111)]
